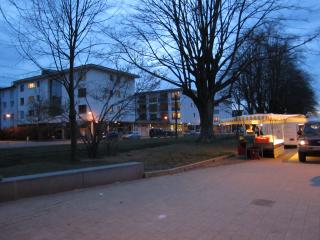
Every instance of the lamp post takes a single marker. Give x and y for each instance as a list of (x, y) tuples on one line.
[(91, 122)]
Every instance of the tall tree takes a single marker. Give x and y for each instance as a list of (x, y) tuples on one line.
[(192, 44), (272, 82), (57, 32)]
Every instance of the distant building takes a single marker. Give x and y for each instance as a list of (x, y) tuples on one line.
[(163, 108)]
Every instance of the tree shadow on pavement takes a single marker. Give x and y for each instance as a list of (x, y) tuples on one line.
[(315, 181)]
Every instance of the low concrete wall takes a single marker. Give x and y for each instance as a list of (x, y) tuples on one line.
[(54, 182)]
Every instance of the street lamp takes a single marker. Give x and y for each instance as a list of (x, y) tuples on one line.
[(91, 122), (8, 115)]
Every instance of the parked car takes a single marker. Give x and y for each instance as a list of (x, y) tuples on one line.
[(191, 133), (169, 133), (309, 140), (111, 135), (157, 132), (132, 135)]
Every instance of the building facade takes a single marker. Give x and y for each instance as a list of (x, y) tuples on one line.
[(27, 101), (166, 108)]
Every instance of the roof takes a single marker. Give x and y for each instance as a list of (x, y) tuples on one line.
[(160, 91), (265, 119), (87, 66), (6, 88)]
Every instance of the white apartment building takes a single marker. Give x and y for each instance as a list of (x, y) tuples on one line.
[(157, 109), (96, 82)]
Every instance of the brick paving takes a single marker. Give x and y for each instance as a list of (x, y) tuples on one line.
[(266, 199)]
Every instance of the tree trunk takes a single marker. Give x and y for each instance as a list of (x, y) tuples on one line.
[(206, 121), (93, 149), (72, 117)]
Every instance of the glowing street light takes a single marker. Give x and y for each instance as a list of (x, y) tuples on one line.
[(8, 115)]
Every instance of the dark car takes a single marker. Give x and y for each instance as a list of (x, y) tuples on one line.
[(111, 135), (170, 133), (309, 140), (157, 132)]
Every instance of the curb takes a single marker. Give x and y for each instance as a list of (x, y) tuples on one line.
[(217, 160)]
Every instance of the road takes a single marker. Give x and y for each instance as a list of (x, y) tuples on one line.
[(263, 200)]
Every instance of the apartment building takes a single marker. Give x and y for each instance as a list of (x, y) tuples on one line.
[(18, 102), (163, 108)]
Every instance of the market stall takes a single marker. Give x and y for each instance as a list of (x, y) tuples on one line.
[(265, 132)]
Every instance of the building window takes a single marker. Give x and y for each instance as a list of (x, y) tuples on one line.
[(174, 115), (38, 83), (11, 103), (38, 98), (176, 105), (31, 99), (21, 114), (22, 101), (82, 109), (31, 113), (22, 88), (32, 85), (82, 92), (4, 104), (111, 77)]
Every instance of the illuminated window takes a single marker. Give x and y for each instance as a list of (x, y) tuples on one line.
[(174, 115), (216, 119), (32, 85)]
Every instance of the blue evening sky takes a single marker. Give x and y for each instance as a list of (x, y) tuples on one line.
[(14, 67)]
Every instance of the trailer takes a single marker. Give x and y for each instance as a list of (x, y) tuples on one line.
[(278, 130)]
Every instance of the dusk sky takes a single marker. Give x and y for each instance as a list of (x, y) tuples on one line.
[(14, 67)]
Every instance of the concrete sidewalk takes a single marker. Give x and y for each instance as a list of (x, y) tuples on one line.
[(266, 199)]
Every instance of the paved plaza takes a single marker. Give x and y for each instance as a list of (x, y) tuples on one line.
[(263, 200)]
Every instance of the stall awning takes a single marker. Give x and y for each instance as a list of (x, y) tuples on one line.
[(265, 119)]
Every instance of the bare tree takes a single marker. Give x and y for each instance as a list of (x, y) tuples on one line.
[(192, 44), (272, 80), (111, 101), (62, 33), (42, 111)]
